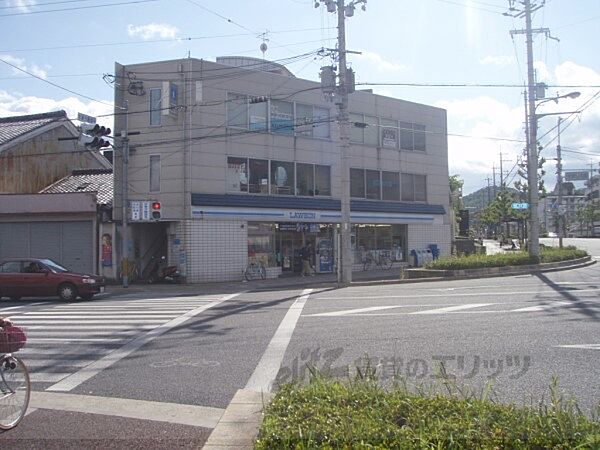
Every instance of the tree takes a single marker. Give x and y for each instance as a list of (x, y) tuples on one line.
[(456, 185)]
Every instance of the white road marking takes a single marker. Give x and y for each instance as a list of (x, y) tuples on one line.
[(84, 327), (89, 314), (33, 364), (104, 316), (47, 377), (356, 311), (582, 346), (102, 340), (29, 321), (542, 307), (196, 416), (74, 380), (450, 309), (263, 376)]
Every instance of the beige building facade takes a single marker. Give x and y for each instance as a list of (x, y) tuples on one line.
[(244, 159)]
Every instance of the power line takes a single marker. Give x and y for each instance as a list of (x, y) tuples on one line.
[(76, 8), (30, 5)]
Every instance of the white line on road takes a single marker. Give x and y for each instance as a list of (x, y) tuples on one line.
[(449, 309), (47, 377), (263, 376), (104, 316), (74, 380), (582, 346), (102, 340), (97, 313), (542, 307), (26, 321)]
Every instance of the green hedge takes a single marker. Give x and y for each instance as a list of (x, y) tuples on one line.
[(512, 258), (361, 415)]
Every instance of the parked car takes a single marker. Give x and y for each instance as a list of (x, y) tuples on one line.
[(35, 277)]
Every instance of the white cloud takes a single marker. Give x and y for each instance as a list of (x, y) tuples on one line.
[(12, 104), (500, 61), (379, 63), (22, 64), (153, 30), (21, 5)]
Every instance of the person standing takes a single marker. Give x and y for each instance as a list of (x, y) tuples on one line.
[(306, 255)]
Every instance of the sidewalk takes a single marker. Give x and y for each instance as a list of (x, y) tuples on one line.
[(292, 282)]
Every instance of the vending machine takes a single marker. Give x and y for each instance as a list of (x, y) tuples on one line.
[(324, 255)]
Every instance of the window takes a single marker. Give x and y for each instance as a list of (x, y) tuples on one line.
[(389, 133), (321, 123), (306, 179), (282, 117), (155, 106), (390, 185), (154, 173), (357, 183), (237, 110), (259, 176), (371, 131), (11, 267), (282, 178), (258, 116), (373, 185), (357, 128), (412, 136), (414, 188), (304, 119), (322, 180), (237, 174)]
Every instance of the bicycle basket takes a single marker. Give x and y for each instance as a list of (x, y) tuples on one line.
[(12, 339)]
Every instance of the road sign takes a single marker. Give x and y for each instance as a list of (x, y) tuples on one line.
[(577, 176), (85, 118), (135, 210), (520, 206)]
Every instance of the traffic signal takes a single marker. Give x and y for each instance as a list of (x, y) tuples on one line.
[(93, 136), (156, 215)]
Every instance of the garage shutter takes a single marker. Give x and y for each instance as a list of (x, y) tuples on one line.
[(69, 243)]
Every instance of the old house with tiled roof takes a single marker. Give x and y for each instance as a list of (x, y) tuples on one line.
[(38, 149)]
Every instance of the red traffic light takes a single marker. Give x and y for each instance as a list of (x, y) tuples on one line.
[(156, 206)]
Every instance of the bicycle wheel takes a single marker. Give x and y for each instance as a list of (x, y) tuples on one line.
[(15, 390), (367, 264), (386, 263)]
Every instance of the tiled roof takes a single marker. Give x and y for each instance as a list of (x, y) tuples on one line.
[(86, 180), (13, 127)]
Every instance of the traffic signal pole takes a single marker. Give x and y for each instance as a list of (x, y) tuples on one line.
[(125, 200)]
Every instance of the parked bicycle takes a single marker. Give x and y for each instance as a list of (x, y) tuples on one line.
[(15, 386), (377, 259), (254, 271)]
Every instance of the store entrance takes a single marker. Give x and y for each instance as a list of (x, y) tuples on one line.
[(292, 237)]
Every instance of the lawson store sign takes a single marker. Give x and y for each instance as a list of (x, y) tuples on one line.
[(282, 215)]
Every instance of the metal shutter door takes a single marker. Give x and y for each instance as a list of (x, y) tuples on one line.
[(14, 240), (45, 240), (77, 246)]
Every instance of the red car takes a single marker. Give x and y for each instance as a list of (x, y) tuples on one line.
[(33, 277)]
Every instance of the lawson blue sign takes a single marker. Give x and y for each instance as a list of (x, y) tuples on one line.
[(296, 215), (520, 206)]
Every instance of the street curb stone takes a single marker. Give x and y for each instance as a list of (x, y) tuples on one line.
[(240, 423)]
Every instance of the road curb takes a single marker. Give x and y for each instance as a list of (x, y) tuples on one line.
[(239, 425)]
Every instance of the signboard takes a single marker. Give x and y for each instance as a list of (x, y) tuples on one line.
[(300, 227), (577, 176), (146, 210), (520, 206), (135, 211), (85, 118), (141, 211)]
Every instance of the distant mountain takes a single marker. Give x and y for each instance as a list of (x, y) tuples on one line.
[(480, 199)]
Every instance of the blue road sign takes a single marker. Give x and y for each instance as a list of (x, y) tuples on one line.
[(520, 206)]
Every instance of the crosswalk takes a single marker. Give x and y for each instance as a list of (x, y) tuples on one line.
[(64, 339)]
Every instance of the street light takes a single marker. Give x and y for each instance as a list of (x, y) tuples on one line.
[(532, 168)]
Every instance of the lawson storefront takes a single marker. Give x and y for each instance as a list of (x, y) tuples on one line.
[(227, 231)]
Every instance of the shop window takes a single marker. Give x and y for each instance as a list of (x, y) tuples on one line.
[(371, 131), (357, 183), (258, 116), (373, 185), (321, 123), (259, 176), (304, 120), (408, 187), (154, 173), (237, 110), (306, 179), (357, 128), (282, 117), (237, 174), (282, 178), (261, 243), (390, 185), (322, 180), (389, 133), (155, 106)]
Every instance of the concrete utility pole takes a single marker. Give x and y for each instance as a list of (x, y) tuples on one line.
[(488, 191), (561, 213), (494, 177), (344, 10), (125, 200)]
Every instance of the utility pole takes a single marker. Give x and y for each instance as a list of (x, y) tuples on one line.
[(501, 175), (125, 200), (488, 191), (561, 213), (494, 176), (342, 92)]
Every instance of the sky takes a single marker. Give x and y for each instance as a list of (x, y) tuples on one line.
[(67, 47)]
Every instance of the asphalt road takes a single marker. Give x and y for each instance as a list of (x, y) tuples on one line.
[(156, 370)]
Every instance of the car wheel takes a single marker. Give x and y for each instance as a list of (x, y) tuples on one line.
[(67, 292)]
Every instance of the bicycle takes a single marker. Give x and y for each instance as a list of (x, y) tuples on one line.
[(254, 271), (381, 260), (15, 385)]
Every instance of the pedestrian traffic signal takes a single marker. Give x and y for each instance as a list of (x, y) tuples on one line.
[(156, 214), (93, 136)]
